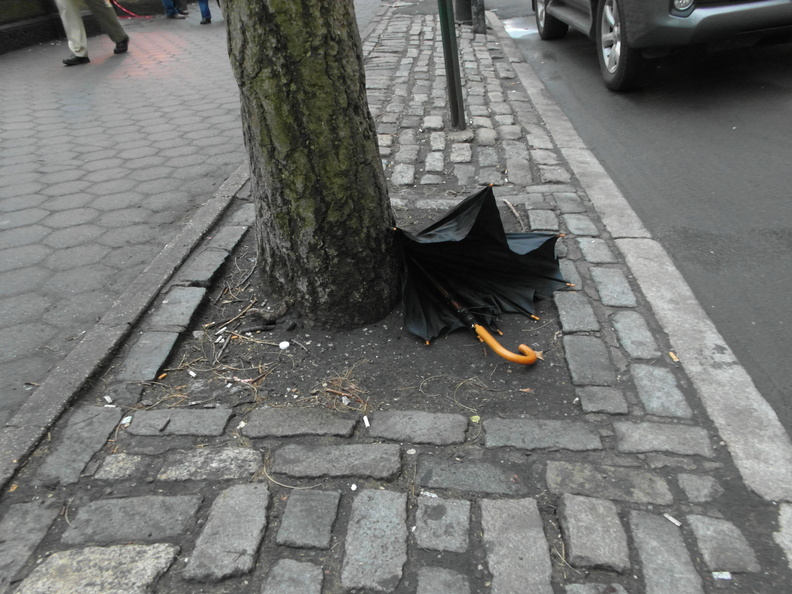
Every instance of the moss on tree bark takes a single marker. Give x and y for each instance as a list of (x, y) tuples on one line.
[(323, 215)]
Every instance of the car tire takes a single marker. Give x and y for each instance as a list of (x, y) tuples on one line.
[(549, 27), (623, 68)]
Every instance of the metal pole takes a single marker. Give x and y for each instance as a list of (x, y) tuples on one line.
[(451, 55), (479, 21)]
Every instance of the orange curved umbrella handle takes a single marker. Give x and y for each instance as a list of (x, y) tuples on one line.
[(528, 356)]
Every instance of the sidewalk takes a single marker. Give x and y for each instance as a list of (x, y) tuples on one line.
[(609, 467)]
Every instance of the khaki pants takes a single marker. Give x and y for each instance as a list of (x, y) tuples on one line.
[(71, 17)]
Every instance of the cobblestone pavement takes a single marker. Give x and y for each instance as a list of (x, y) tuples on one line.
[(637, 491)]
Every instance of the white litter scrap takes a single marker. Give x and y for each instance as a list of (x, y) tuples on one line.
[(126, 421), (673, 520), (192, 373), (108, 399), (284, 345), (353, 487), (721, 575), (366, 421)]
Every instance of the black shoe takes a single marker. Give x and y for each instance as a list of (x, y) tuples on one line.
[(122, 46), (175, 16), (206, 22), (75, 60), (183, 12)]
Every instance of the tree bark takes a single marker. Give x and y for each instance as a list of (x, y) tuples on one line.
[(323, 218)]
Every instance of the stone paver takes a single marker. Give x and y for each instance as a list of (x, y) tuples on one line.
[(290, 422), (634, 335), (613, 287), (657, 389), (576, 313), (594, 533), (147, 356), (87, 431), (149, 518), (230, 539), (699, 488), (481, 477), (665, 561), (375, 461), (203, 464), (783, 536), (589, 361), (308, 519), (661, 437), (179, 422), (177, 308), (293, 577), (596, 251), (442, 524), (376, 548), (722, 545), (595, 589), (596, 399), (609, 482), (122, 569), (540, 434), (517, 552), (419, 427), (437, 580), (124, 466), (28, 523)]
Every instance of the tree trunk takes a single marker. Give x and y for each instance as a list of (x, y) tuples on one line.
[(323, 218)]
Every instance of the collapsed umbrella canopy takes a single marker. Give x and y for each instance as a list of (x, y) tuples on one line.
[(465, 270)]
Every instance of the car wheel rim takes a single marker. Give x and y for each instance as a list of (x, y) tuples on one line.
[(540, 12), (610, 36)]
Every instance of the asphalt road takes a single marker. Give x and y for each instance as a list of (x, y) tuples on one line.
[(703, 156)]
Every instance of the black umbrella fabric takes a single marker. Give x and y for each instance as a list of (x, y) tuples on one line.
[(465, 270)]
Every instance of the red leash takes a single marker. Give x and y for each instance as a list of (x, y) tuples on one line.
[(131, 14)]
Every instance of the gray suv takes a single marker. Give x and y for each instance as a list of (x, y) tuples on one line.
[(629, 34)]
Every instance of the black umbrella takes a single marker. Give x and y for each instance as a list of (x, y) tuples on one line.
[(465, 270)]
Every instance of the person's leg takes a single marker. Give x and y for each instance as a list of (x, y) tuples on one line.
[(108, 20), (170, 9), (74, 27), (206, 14)]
